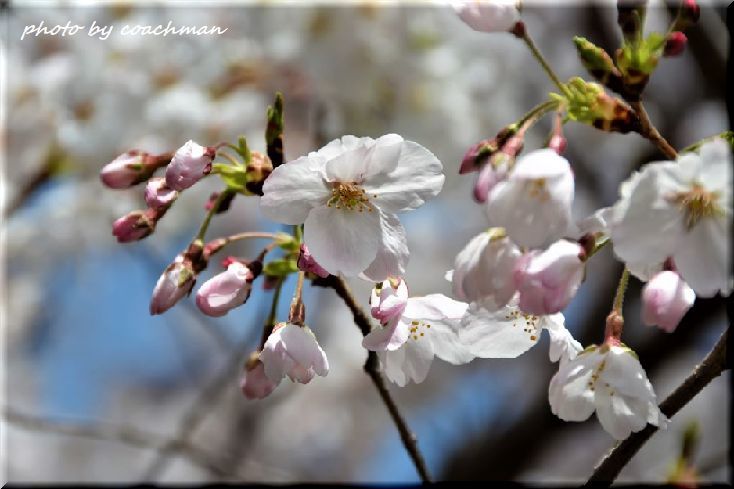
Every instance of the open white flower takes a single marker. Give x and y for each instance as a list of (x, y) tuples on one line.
[(292, 350), (488, 15), (508, 332), (681, 210), (608, 380), (347, 194), (483, 270), (415, 330), (534, 203)]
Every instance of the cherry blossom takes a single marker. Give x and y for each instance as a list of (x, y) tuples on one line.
[(158, 195), (254, 383), (133, 226), (483, 270), (534, 203), (548, 280), (292, 350), (189, 165), (175, 283), (413, 331), (509, 332), (665, 300), (609, 380), (125, 171), (347, 194), (225, 290), (682, 210), (308, 264), (488, 15)]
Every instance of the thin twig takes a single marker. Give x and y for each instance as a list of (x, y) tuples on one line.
[(649, 131), (121, 434), (371, 367), (711, 367)]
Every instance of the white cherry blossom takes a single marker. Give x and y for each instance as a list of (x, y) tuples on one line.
[(292, 350), (665, 300), (347, 194), (509, 332), (609, 380), (415, 330), (488, 15), (534, 203), (683, 210), (483, 270)]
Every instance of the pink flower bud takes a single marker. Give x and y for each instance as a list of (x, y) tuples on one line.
[(134, 226), (558, 144), (665, 300), (254, 383), (388, 302), (158, 195), (125, 171), (307, 263), (492, 173), (489, 15), (292, 350), (472, 161), (690, 10), (548, 280), (226, 290), (189, 165), (674, 44), (176, 282)]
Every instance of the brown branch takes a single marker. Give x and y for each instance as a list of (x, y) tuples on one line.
[(711, 367), (372, 368), (649, 131), (122, 434)]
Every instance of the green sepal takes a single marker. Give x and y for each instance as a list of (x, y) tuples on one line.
[(234, 177), (280, 267)]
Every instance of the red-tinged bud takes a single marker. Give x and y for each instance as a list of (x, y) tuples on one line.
[(158, 195), (675, 43), (476, 155), (213, 247), (126, 170), (134, 226), (189, 164), (690, 10), (307, 263), (258, 169), (223, 204), (175, 283), (254, 383)]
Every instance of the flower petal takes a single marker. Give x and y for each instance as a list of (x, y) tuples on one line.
[(703, 259), (506, 333), (302, 346), (292, 190), (341, 240), (392, 254)]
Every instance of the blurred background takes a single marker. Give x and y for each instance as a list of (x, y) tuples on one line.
[(95, 386)]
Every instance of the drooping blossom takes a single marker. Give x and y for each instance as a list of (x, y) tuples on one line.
[(488, 15), (547, 280), (483, 270), (254, 384), (189, 164), (509, 332), (292, 350), (665, 300), (681, 210), (226, 290), (413, 330), (609, 380), (347, 194), (534, 203), (158, 195)]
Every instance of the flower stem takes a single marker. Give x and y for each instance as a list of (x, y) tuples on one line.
[(250, 235), (711, 367), (621, 289), (371, 367), (210, 214), (532, 116), (272, 317), (543, 63), (649, 131)]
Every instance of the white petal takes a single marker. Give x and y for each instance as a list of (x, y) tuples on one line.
[(568, 392), (434, 307), (417, 178), (339, 146), (418, 359), (389, 337), (341, 240), (506, 333), (392, 254), (447, 344), (613, 414), (292, 190), (598, 222), (302, 346), (703, 259), (624, 373), (562, 343), (392, 365), (350, 166)]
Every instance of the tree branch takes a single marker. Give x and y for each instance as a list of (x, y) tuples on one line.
[(711, 367), (371, 367), (650, 132), (122, 434)]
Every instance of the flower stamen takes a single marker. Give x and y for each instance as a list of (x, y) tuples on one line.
[(697, 204), (349, 196)]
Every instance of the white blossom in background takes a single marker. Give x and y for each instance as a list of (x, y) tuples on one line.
[(413, 331), (508, 332), (347, 194), (488, 15), (680, 209), (534, 203), (483, 270), (292, 350), (547, 280), (609, 380), (665, 300)]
